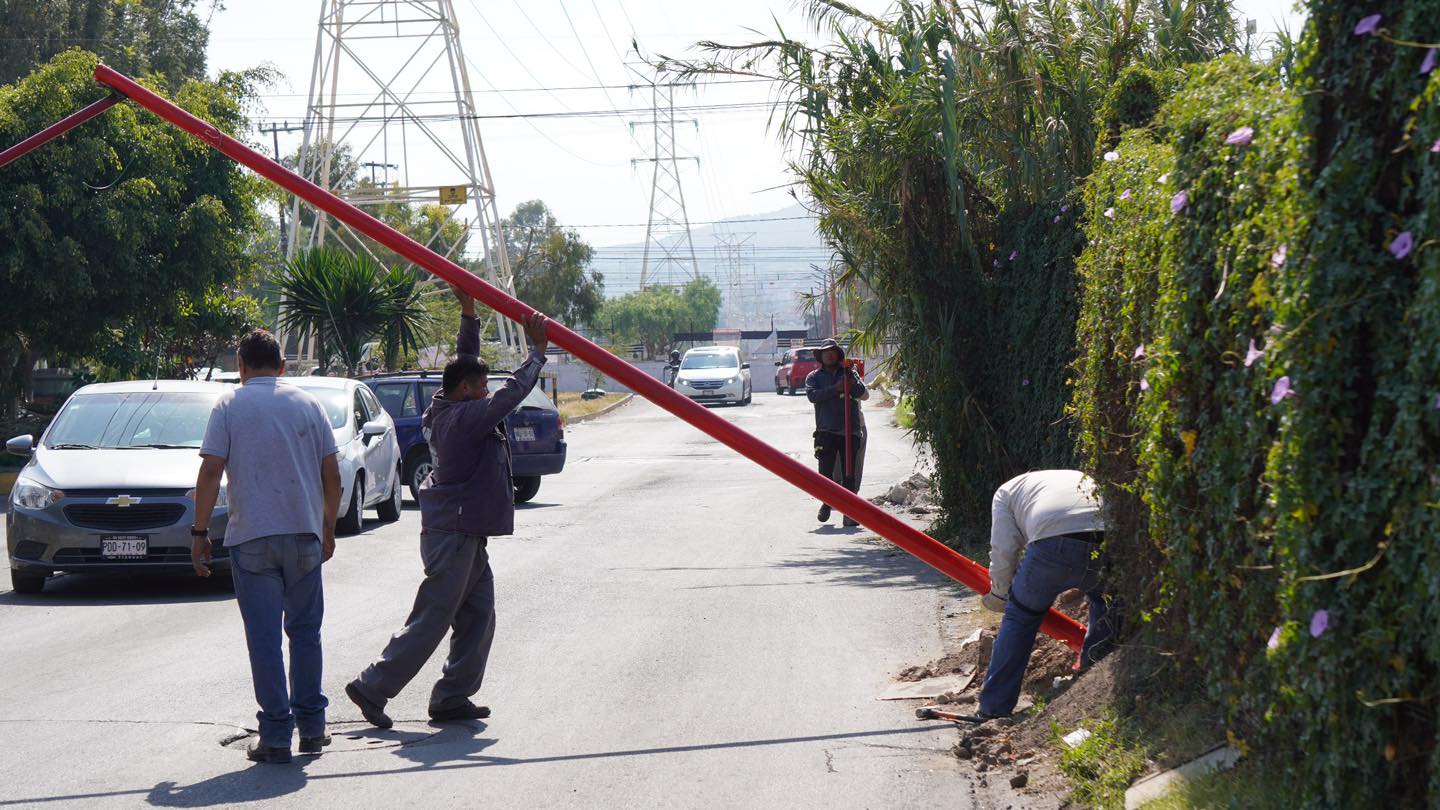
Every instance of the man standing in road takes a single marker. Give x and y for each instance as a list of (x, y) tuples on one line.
[(468, 498), (1053, 518), (274, 444), (826, 388)]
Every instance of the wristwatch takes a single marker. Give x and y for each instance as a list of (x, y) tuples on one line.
[(194, 532)]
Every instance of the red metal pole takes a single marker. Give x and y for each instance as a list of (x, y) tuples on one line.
[(926, 548), (849, 447), (59, 128)]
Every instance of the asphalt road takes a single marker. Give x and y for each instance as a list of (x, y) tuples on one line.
[(674, 631)]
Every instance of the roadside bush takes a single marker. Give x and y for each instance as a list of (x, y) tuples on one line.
[(1275, 488)]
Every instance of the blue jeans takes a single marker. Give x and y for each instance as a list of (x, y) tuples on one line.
[(1050, 567), (277, 583)]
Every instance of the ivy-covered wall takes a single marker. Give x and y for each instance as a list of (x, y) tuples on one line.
[(1258, 388)]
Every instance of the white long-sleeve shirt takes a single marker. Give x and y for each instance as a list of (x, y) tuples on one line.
[(1036, 506)]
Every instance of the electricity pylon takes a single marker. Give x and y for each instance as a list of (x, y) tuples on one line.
[(669, 249), (372, 92)]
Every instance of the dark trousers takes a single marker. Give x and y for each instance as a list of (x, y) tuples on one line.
[(830, 452), (458, 593)]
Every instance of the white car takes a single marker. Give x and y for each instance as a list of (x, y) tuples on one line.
[(714, 374), (369, 452)]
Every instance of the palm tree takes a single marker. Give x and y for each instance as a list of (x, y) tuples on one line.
[(347, 301)]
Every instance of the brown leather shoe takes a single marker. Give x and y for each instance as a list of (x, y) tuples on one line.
[(465, 711)]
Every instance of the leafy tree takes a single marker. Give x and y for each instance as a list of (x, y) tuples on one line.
[(550, 263), (652, 315), (108, 227), (347, 301), (139, 37)]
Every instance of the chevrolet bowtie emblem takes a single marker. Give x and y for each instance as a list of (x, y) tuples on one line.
[(122, 501)]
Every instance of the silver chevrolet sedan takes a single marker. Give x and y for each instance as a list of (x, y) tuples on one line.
[(110, 484)]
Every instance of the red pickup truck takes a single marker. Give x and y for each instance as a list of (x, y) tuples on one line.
[(792, 368)]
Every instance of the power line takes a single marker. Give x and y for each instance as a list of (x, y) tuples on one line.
[(753, 106), (545, 89), (693, 222)]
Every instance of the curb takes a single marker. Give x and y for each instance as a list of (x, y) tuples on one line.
[(596, 415)]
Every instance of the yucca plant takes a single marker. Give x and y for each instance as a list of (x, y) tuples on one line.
[(347, 301)]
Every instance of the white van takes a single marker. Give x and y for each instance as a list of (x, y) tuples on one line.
[(714, 374)]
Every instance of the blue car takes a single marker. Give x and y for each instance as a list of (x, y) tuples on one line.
[(535, 429)]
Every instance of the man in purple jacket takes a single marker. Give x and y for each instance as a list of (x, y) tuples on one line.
[(467, 499)]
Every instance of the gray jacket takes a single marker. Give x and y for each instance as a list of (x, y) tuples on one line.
[(469, 489), (829, 406)]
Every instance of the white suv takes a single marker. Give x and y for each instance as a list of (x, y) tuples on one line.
[(714, 374)]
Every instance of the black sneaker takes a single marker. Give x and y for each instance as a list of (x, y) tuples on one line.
[(272, 754), (373, 713), (465, 711), (824, 516), (851, 523), (312, 745)]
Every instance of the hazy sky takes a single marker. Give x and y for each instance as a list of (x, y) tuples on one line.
[(580, 166)]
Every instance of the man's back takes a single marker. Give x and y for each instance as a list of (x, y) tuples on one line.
[(273, 436)]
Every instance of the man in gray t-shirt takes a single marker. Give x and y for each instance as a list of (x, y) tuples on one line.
[(273, 442)]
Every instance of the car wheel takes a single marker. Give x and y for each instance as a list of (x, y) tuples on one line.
[(351, 522), (389, 509), (420, 467), (525, 487), (26, 582), (779, 390)]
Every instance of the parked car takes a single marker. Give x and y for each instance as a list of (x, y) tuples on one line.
[(110, 483), (792, 368), (369, 449), (714, 374), (535, 430)]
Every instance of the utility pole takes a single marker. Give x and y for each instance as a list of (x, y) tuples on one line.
[(668, 245), (275, 130), (373, 165), (384, 70)]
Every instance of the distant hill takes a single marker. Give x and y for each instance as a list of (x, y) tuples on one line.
[(770, 268)]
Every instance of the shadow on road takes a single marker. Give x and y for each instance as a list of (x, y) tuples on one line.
[(871, 565), (257, 783), (83, 590), (461, 752)]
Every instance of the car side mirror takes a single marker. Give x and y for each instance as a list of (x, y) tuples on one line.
[(373, 428), (744, 365), (20, 445), (779, 362)]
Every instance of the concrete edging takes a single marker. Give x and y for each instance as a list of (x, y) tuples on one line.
[(596, 415)]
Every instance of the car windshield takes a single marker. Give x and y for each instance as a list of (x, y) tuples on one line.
[(711, 361), (338, 404), (164, 419), (535, 399), (803, 356)]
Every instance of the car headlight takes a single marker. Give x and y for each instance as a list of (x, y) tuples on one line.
[(222, 501), (32, 495), (684, 382), (732, 380)]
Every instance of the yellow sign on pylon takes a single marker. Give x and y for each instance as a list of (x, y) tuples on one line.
[(452, 195)]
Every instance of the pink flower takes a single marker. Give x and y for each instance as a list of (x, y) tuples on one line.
[(1164, 178), (1431, 57), (1402, 245), (1065, 209), (1014, 254), (1436, 404), (1140, 352), (1057, 220), (1274, 642), (1277, 259), (1145, 382), (997, 264), (1435, 147), (1127, 195), (1111, 157), (1025, 381), (1241, 136), (1368, 25), (1253, 354), (1180, 202), (1281, 391), (1319, 623), (1110, 213)]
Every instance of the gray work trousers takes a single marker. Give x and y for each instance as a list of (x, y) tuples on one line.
[(458, 592)]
